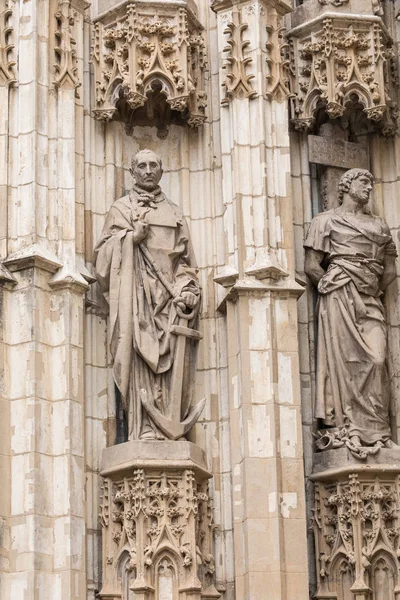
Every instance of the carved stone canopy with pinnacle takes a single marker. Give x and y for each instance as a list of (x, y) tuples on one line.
[(147, 52)]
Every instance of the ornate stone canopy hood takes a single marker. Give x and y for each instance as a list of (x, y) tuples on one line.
[(152, 55), (338, 58)]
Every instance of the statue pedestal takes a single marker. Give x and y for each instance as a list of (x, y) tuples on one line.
[(357, 525), (157, 522)]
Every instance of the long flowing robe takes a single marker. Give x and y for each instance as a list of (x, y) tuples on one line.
[(141, 308), (352, 387)]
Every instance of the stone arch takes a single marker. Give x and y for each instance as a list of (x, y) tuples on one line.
[(166, 576), (341, 577), (384, 575), (126, 575)]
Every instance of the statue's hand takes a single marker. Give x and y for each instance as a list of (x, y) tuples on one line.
[(190, 300), (141, 229), (141, 226)]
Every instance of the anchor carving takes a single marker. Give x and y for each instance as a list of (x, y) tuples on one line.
[(170, 423)]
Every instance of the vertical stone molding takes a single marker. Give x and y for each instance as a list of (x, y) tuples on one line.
[(7, 60), (42, 311), (356, 526), (338, 59), (157, 523), (148, 52)]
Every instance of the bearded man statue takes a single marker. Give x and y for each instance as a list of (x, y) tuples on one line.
[(350, 258)]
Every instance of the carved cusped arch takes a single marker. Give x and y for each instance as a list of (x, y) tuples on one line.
[(384, 576), (144, 48)]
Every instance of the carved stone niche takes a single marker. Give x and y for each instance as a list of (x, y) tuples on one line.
[(357, 526), (338, 59), (149, 58), (156, 515)]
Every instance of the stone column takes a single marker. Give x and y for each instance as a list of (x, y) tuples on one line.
[(42, 309), (260, 303)]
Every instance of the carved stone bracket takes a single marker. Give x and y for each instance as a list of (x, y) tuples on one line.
[(157, 522), (7, 62), (147, 47), (339, 58), (357, 532)]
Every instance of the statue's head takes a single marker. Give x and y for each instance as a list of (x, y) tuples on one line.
[(146, 169), (358, 183)]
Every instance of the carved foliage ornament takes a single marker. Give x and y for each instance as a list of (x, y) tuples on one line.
[(153, 517), (337, 62), (66, 65), (357, 537), (237, 59), (278, 57), (7, 64), (145, 46)]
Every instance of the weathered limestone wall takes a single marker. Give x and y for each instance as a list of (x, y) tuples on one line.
[(248, 192)]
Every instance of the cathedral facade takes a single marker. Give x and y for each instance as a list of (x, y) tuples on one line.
[(200, 394)]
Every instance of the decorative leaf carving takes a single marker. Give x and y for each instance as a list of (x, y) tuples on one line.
[(339, 60), (144, 49)]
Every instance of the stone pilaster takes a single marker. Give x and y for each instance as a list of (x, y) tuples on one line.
[(43, 308), (260, 303)]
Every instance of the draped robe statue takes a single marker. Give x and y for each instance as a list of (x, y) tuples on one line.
[(146, 269), (350, 257)]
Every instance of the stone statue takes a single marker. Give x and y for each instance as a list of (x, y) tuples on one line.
[(146, 269), (350, 257)]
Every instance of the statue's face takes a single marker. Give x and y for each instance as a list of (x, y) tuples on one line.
[(147, 170), (360, 189)]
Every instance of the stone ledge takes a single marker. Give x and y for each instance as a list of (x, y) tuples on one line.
[(166, 454), (332, 463)]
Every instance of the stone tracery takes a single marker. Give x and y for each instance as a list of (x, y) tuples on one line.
[(142, 47), (334, 60)]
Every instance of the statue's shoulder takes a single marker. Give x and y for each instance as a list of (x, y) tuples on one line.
[(383, 224), (324, 216), (122, 205), (176, 209), (123, 202)]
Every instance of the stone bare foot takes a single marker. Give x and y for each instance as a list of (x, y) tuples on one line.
[(356, 441), (390, 444)]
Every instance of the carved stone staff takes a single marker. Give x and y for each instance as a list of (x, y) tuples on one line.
[(170, 423)]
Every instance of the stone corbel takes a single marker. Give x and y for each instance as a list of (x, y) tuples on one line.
[(147, 48), (356, 526), (157, 522), (7, 62), (336, 58)]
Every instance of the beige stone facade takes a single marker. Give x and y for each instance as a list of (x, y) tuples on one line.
[(257, 108)]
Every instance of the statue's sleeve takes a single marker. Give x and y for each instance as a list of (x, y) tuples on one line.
[(318, 235), (390, 247), (186, 275), (104, 250)]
